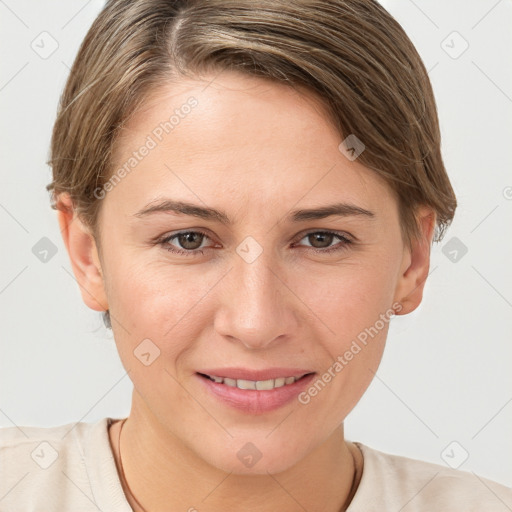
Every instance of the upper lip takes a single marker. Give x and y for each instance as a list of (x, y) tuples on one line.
[(248, 374)]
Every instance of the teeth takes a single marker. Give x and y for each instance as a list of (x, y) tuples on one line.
[(260, 385), (245, 384), (265, 385)]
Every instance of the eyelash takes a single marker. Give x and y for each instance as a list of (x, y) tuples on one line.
[(336, 248)]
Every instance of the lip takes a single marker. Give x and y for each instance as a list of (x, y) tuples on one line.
[(252, 401)]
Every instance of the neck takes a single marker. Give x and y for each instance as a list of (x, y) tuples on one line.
[(162, 474)]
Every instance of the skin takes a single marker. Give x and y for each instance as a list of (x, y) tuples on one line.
[(256, 150)]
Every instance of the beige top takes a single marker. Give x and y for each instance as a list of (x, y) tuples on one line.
[(71, 468)]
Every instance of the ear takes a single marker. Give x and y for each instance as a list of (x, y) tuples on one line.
[(415, 264), (83, 254)]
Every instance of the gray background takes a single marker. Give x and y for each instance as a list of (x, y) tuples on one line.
[(444, 389)]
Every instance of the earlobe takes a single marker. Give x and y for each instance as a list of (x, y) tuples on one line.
[(415, 265), (83, 255)]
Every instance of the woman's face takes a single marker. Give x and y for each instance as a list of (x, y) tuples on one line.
[(257, 284)]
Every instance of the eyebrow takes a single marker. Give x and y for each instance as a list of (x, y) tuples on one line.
[(184, 208)]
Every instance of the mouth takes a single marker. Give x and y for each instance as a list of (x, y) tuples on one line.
[(256, 385), (254, 392)]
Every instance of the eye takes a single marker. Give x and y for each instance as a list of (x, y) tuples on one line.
[(190, 242), (320, 241)]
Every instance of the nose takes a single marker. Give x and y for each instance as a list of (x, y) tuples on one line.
[(256, 306)]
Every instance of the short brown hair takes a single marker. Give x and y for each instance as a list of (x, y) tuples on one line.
[(352, 54)]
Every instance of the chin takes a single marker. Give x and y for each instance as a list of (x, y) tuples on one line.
[(243, 456), (261, 467)]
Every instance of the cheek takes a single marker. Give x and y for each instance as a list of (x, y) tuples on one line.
[(349, 298), (354, 307), (154, 308), (154, 296)]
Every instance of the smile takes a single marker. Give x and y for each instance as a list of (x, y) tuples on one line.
[(258, 385), (254, 391)]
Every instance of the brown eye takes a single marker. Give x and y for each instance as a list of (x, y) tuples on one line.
[(187, 243), (190, 240), (320, 240)]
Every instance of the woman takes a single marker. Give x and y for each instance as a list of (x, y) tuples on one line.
[(249, 191)]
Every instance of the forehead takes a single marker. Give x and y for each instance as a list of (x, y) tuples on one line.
[(253, 142)]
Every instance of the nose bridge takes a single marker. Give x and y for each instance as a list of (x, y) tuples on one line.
[(254, 309)]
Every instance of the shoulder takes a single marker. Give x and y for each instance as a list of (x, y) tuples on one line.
[(52, 468), (412, 485)]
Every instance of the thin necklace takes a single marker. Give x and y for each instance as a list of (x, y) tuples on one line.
[(353, 487), (344, 508), (122, 469)]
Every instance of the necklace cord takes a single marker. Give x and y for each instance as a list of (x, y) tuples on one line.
[(123, 477), (122, 469)]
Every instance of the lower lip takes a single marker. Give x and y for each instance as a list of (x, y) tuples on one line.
[(253, 401)]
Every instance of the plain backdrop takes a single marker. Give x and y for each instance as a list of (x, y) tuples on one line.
[(443, 392)]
